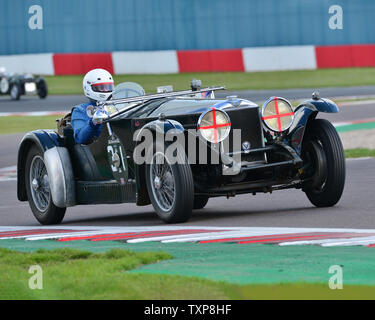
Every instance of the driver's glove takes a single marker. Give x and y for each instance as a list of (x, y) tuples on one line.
[(99, 116)]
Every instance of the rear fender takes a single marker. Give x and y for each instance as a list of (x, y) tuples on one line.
[(58, 164), (303, 114)]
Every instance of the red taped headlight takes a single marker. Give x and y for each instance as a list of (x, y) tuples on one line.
[(277, 114), (214, 125)]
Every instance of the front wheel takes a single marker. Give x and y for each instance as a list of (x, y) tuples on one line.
[(170, 186), (324, 159), (42, 89), (38, 189), (15, 91)]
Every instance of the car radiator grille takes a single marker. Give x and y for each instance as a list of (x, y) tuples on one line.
[(247, 120)]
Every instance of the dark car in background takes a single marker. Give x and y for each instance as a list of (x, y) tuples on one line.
[(17, 85)]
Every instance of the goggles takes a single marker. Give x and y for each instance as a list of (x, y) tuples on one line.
[(103, 87)]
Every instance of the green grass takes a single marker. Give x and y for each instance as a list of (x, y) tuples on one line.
[(342, 77), (17, 124), (79, 274), (358, 153)]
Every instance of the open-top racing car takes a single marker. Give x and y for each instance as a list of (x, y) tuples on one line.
[(175, 150), (26, 84)]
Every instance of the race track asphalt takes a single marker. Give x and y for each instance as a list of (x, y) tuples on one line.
[(33, 103), (287, 208)]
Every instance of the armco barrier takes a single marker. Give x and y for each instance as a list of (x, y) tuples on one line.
[(172, 61)]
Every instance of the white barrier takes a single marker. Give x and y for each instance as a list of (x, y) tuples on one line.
[(128, 62), (40, 63), (166, 61), (279, 58)]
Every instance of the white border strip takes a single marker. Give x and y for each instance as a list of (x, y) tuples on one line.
[(146, 62), (40, 63), (32, 114), (279, 58)]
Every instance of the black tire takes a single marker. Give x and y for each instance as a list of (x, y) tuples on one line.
[(42, 89), (182, 205), (322, 142), (200, 202), (51, 214), (4, 85), (15, 91)]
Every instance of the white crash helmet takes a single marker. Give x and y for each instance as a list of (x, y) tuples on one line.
[(2, 71), (98, 84)]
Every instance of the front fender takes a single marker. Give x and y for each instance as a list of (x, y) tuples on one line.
[(161, 127), (156, 127), (50, 143), (303, 114), (322, 105)]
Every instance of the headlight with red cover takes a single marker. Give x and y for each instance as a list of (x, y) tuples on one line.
[(277, 114), (214, 125)]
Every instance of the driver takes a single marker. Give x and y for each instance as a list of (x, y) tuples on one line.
[(2, 71), (87, 118)]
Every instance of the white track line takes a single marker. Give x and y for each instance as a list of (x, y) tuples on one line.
[(8, 173), (64, 235), (355, 103), (320, 242), (11, 168), (32, 113), (351, 242), (361, 158), (179, 238), (217, 236)]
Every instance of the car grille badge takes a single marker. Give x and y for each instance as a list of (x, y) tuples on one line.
[(246, 146)]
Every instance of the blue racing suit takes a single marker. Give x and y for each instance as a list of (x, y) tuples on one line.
[(84, 129)]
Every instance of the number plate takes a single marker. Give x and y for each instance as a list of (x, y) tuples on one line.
[(117, 160)]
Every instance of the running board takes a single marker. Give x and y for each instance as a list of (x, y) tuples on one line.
[(105, 192)]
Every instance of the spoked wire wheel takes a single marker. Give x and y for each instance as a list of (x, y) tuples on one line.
[(39, 184), (162, 182), (170, 184), (38, 189)]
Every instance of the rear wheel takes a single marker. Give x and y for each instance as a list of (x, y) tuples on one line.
[(4, 85), (38, 189), (170, 186), (324, 156)]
